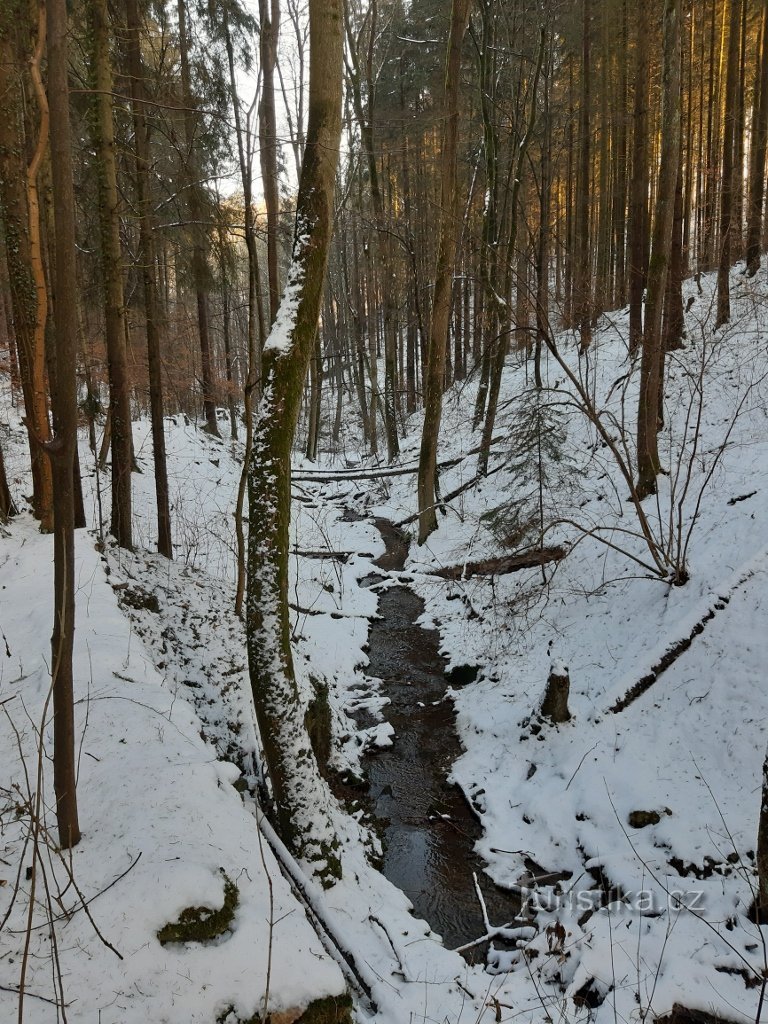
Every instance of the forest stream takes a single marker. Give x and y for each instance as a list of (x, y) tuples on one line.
[(429, 828)]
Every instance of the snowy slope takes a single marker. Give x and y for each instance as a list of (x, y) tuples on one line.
[(651, 913)]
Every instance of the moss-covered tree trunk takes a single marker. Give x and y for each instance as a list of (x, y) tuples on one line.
[(299, 794)]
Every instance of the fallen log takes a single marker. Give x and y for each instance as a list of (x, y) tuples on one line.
[(327, 476), (336, 556), (503, 564)]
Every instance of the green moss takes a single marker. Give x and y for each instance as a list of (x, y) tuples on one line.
[(318, 722), (201, 924), (331, 1010)]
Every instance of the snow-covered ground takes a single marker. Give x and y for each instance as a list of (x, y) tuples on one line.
[(655, 908)]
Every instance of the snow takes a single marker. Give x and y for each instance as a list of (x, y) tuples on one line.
[(655, 907)]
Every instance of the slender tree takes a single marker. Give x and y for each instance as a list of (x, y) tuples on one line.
[(136, 77), (112, 275), (298, 790), (728, 169), (62, 448), (648, 465), (200, 245), (756, 192), (269, 30), (441, 304), (21, 221)]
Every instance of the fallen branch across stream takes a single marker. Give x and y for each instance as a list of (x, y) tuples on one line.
[(321, 476), (503, 564)]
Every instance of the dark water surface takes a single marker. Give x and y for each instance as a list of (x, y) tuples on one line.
[(429, 828)]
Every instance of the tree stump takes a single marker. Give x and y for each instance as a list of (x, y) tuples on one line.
[(555, 703)]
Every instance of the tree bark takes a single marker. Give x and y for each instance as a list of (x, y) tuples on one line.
[(762, 849), (441, 304), (583, 255), (269, 29), (111, 259), (384, 248), (648, 465), (199, 236), (299, 794), (7, 506), (256, 320), (638, 192), (23, 281), (62, 448), (135, 72), (727, 181), (756, 191)]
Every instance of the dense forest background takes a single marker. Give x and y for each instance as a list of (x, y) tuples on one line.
[(481, 281), (185, 181)]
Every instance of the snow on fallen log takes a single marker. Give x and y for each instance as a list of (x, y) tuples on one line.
[(503, 564)]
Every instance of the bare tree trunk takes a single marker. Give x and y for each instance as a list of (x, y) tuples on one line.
[(757, 153), (7, 506), (256, 319), (384, 248), (620, 191), (441, 304), (269, 29), (505, 325), (315, 386), (25, 281), (762, 850), (62, 448), (673, 331), (638, 193), (199, 236), (543, 246), (648, 465), (111, 258), (583, 255), (300, 796), (727, 183), (135, 69)]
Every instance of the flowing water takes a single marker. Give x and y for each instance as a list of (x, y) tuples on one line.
[(429, 829)]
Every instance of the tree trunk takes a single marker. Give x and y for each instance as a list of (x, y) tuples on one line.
[(441, 304), (269, 29), (111, 259), (135, 71), (756, 191), (648, 465), (300, 796), (505, 325), (384, 249), (25, 274), (674, 317), (727, 183), (638, 192), (62, 448), (199, 236), (762, 850), (7, 506), (256, 319), (583, 255)]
